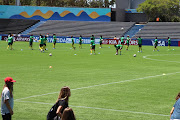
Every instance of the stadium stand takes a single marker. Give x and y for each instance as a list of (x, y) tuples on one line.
[(160, 30), (15, 26), (86, 29)]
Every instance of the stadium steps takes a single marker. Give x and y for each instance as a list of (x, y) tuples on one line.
[(32, 27), (86, 29), (162, 30), (15, 26), (133, 30)]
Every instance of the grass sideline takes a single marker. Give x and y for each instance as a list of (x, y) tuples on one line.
[(146, 98)]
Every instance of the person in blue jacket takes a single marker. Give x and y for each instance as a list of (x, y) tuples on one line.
[(175, 112)]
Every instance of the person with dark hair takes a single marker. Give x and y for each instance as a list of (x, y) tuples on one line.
[(68, 114), (7, 100), (10, 41), (45, 41), (118, 47), (42, 39), (155, 44), (122, 40), (54, 40), (72, 39), (175, 111), (140, 43), (31, 38), (39, 40), (92, 46), (93, 38), (100, 41), (80, 41), (57, 109), (127, 42), (169, 42)]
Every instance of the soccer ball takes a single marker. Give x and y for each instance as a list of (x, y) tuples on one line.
[(50, 54), (134, 55), (122, 28)]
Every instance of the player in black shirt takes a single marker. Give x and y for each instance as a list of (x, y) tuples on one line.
[(62, 102)]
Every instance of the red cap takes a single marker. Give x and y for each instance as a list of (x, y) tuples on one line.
[(9, 79)]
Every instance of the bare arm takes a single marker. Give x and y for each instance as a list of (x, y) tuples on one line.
[(8, 106), (172, 110), (58, 112)]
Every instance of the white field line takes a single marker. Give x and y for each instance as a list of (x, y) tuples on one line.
[(146, 57), (101, 85), (104, 109)]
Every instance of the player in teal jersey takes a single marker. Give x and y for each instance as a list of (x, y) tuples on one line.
[(100, 41), (42, 39), (92, 46), (80, 41), (127, 42), (54, 40), (45, 41), (118, 47), (155, 44), (169, 42), (72, 39), (31, 38), (140, 43), (122, 40), (10, 41), (93, 38)]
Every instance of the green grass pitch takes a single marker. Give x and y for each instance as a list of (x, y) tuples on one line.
[(104, 86)]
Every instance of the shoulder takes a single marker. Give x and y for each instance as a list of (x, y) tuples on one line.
[(5, 90), (61, 102)]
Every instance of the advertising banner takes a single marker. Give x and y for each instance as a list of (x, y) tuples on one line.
[(117, 41), (86, 40)]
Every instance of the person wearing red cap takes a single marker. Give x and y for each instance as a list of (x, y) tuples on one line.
[(7, 101)]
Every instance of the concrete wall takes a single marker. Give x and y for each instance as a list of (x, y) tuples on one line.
[(134, 3), (136, 17), (121, 14)]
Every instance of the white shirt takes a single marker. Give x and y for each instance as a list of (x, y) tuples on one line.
[(6, 96)]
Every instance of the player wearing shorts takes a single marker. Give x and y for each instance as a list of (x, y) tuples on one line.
[(122, 40), (100, 42), (45, 41), (42, 43), (140, 43), (80, 41), (92, 46), (169, 42), (72, 39), (31, 38), (118, 47), (54, 40), (155, 44), (127, 42), (10, 41)]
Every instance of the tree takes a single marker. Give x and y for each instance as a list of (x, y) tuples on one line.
[(166, 10), (80, 3), (106, 3), (96, 3), (112, 2), (38, 2), (25, 2)]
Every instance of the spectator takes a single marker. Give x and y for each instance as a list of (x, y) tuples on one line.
[(57, 109), (68, 114), (175, 112), (7, 101)]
